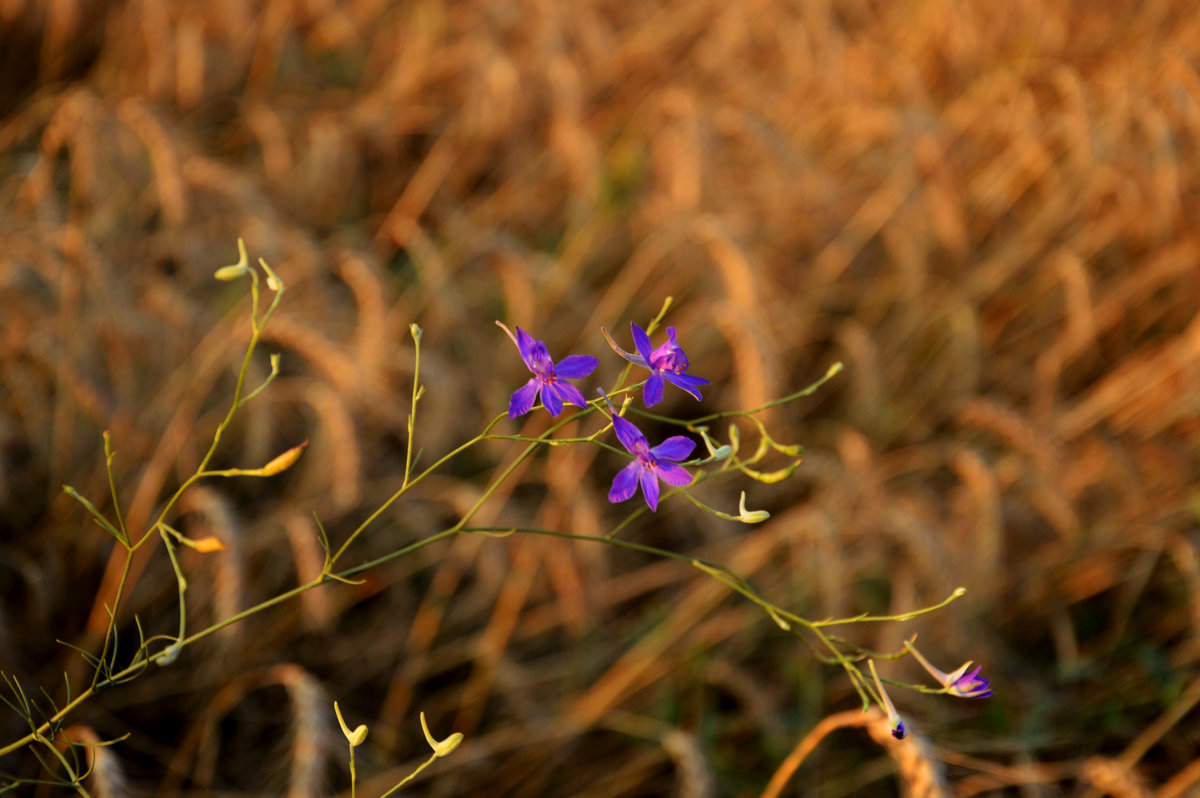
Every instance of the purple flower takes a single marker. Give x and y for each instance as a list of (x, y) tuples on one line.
[(547, 377), (961, 682), (899, 731), (667, 362), (649, 464)]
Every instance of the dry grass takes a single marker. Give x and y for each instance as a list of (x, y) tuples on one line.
[(985, 209)]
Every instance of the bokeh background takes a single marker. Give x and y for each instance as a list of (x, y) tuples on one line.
[(987, 210)]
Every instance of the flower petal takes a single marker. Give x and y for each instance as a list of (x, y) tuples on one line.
[(568, 393), (551, 399), (971, 685), (625, 483), (673, 474), (534, 354), (677, 447), (630, 436), (642, 342), (669, 355), (687, 383), (653, 392), (525, 344), (650, 489), (522, 400), (576, 366)]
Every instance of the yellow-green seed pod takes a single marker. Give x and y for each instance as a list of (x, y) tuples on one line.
[(283, 462), (239, 269)]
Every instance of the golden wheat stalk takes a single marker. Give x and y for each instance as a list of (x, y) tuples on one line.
[(918, 771)]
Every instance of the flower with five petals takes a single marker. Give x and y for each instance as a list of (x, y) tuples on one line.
[(666, 363), (650, 464), (548, 377)]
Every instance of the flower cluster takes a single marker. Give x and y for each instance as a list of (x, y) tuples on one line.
[(667, 363), (649, 465)]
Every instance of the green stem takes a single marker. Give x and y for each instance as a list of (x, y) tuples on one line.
[(416, 395), (181, 583), (410, 776), (833, 371)]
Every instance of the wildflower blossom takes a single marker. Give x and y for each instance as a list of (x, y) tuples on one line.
[(547, 377), (961, 682), (667, 362), (650, 464), (898, 729)]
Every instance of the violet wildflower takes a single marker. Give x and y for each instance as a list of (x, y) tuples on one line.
[(667, 362), (898, 729), (650, 464), (548, 378), (961, 682)]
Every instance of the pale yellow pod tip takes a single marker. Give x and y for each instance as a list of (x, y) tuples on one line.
[(443, 747), (238, 269)]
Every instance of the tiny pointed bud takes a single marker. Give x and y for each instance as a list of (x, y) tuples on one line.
[(750, 516), (238, 269), (415, 331), (273, 281), (275, 363), (735, 437), (283, 462), (714, 453), (443, 747), (356, 737)]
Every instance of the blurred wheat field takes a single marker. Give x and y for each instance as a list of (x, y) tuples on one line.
[(986, 210)]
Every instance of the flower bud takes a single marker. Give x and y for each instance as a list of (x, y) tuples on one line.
[(443, 747), (208, 545), (238, 269), (273, 281), (283, 462), (356, 737), (750, 516)]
